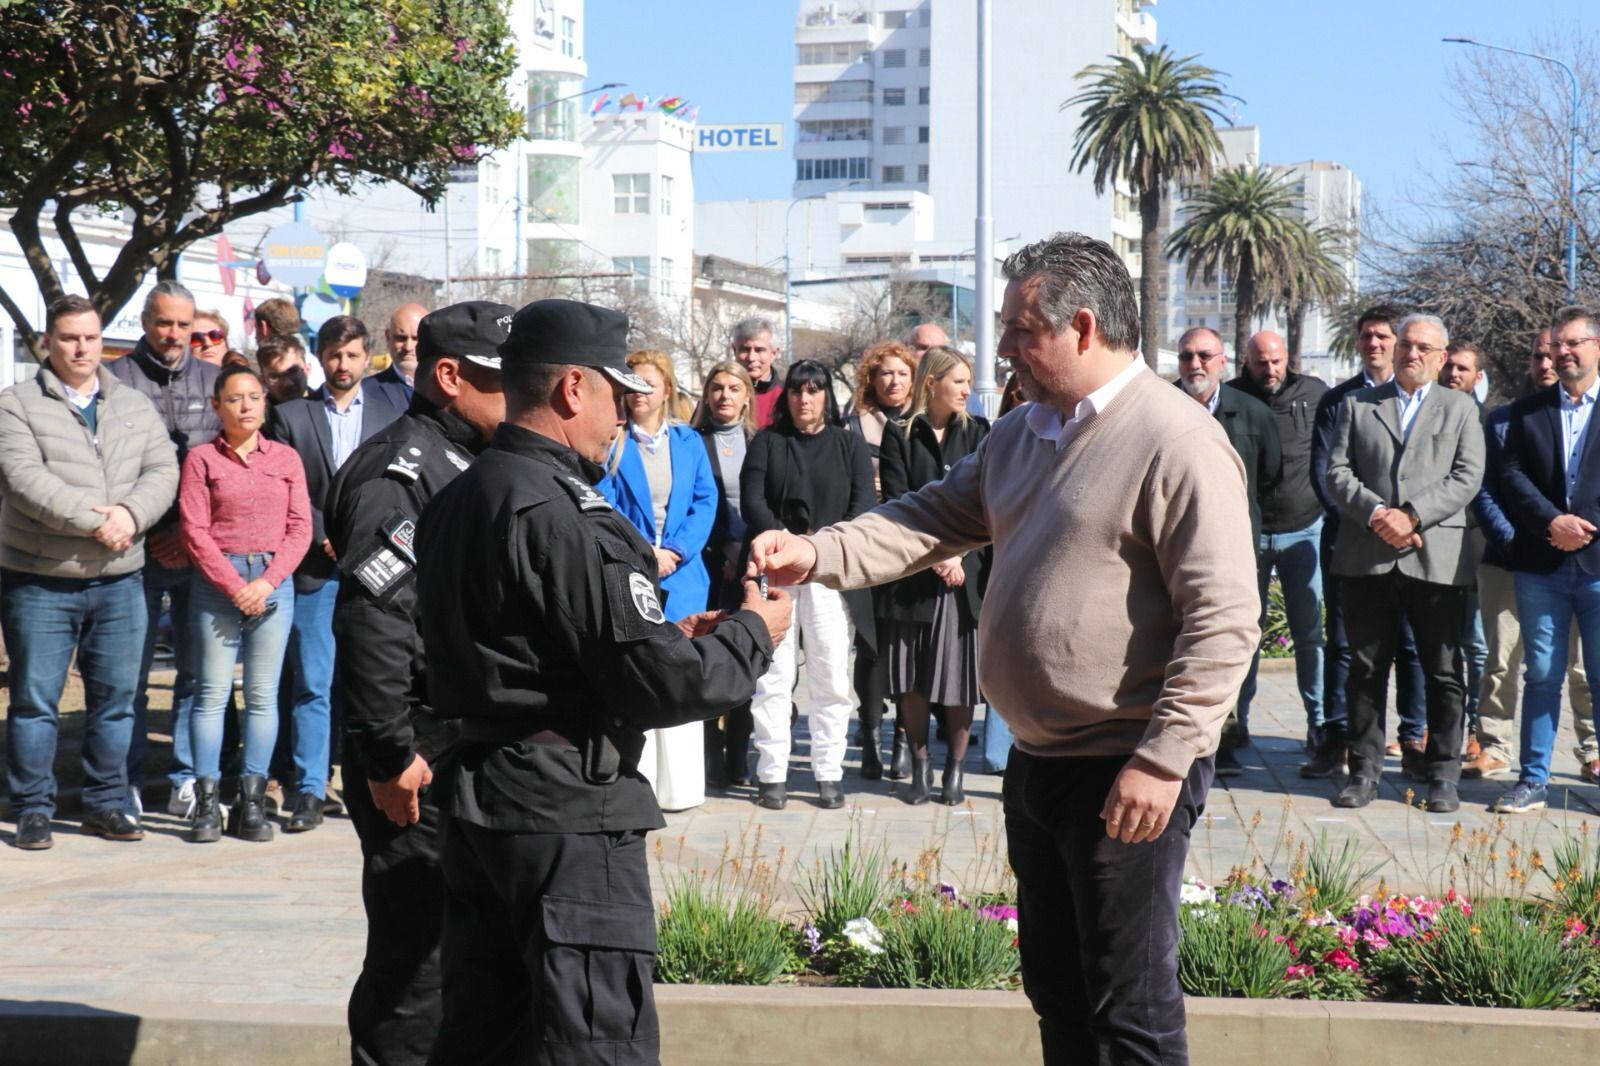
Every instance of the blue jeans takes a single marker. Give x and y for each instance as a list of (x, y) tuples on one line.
[(996, 741), (1297, 557), (1546, 606), (311, 662), (44, 619), (162, 584), (1475, 649), (220, 641)]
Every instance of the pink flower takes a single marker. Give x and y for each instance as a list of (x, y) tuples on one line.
[(1342, 959), (1298, 973), (1347, 935), (1374, 940)]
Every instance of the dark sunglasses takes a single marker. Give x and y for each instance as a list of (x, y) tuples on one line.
[(213, 336)]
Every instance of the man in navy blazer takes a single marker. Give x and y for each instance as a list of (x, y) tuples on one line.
[(1550, 488), (324, 428)]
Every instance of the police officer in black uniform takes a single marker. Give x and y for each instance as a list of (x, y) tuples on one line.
[(546, 640), (391, 740)]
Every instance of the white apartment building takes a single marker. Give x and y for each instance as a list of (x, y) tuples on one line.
[(637, 192)]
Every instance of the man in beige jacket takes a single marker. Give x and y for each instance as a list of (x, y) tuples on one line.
[(87, 469), (1121, 619)]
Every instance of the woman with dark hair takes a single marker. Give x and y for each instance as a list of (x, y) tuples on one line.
[(801, 474), (725, 419), (883, 391), (932, 646), (246, 521)]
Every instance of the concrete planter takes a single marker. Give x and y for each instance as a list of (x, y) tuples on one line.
[(710, 1026)]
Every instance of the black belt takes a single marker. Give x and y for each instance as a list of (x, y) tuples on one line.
[(512, 731)]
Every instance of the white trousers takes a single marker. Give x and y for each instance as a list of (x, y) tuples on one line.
[(674, 762), (820, 614)]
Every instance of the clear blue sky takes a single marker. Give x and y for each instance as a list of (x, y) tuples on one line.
[(1365, 83)]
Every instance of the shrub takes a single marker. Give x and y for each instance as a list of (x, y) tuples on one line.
[(1574, 873), (1225, 950), (939, 942), (1332, 877), (844, 885), (713, 931), (1501, 954)]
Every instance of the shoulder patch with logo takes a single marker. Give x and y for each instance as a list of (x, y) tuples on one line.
[(643, 593), (407, 469), (584, 494), (401, 533)]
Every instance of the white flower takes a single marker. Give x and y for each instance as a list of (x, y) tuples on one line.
[(1011, 924), (1196, 893), (864, 935)]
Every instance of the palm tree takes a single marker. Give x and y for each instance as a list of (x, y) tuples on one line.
[(1148, 119), (1317, 280), (1245, 225)]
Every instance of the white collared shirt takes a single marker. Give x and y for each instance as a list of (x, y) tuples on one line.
[(650, 442), (1047, 424), (1215, 401), (1409, 406), (1575, 417), (82, 400)]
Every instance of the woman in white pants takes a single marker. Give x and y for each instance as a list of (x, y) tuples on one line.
[(801, 474)]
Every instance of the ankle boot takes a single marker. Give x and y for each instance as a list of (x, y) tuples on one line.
[(900, 757), (772, 795), (871, 757), (916, 793), (953, 794), (205, 826), (248, 819)]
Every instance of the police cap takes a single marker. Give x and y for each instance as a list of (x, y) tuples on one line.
[(569, 333), (473, 330)]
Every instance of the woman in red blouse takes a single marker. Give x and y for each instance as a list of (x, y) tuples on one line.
[(246, 525)]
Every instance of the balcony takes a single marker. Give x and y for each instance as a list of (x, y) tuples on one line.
[(824, 16)]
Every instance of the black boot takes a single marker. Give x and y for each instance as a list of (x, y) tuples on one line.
[(206, 825), (248, 819), (773, 795), (916, 793), (871, 757), (900, 757), (953, 795)]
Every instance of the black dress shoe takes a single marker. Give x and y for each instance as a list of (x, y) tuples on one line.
[(899, 757), (772, 795), (1328, 761), (112, 823), (1358, 793), (952, 793), (830, 795), (33, 832), (916, 792), (1442, 797), (307, 814), (1228, 763)]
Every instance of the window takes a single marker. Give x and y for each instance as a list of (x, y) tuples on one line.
[(922, 96), (846, 129), (667, 289), (894, 97), (832, 92), (492, 260), (894, 58), (922, 173), (630, 194), (553, 107), (639, 267), (553, 188), (922, 135), (569, 37), (894, 135), (894, 175), (835, 52), (666, 198), (927, 16), (924, 56), (896, 20), (829, 169)]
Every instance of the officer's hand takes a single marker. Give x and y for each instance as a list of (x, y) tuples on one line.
[(397, 798), (776, 609), (698, 625), (782, 556)]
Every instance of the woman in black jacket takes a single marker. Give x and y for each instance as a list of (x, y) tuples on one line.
[(933, 615), (801, 474)]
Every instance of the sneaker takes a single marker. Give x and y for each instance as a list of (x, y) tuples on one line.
[(180, 802), (1523, 797), (111, 824), (1228, 763), (1329, 760)]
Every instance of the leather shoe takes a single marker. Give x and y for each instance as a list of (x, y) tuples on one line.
[(1442, 797), (1358, 793), (1414, 759), (1485, 765), (33, 831), (871, 759), (772, 795), (1328, 761), (1227, 763), (1392, 749), (307, 814), (112, 823), (1589, 771), (830, 795)]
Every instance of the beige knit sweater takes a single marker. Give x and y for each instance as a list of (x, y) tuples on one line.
[(1122, 610)]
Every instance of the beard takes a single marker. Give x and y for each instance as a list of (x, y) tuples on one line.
[(1198, 385)]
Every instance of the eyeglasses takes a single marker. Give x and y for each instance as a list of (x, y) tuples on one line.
[(1572, 345), (1202, 356), (201, 338), (1427, 351)]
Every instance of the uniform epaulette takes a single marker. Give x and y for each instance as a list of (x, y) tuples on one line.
[(585, 495), (406, 463)]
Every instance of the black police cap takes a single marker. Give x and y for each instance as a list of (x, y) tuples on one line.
[(570, 333), (473, 330)]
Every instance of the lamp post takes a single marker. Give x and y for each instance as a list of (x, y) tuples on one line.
[(983, 225), (1572, 153)]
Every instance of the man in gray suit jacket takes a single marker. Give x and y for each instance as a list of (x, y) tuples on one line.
[(1407, 459)]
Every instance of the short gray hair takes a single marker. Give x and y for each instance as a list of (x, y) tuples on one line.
[(1192, 330), (1077, 271), (167, 287), (1418, 319), (748, 329), (1568, 315)]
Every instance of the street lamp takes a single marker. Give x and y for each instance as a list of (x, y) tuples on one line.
[(1572, 154)]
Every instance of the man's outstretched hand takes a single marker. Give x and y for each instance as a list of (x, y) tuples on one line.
[(785, 558), (775, 608)]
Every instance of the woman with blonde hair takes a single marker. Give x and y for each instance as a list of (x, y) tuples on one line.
[(725, 419), (932, 643), (661, 481)]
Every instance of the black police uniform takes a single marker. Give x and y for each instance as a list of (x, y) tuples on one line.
[(541, 613), (371, 517)]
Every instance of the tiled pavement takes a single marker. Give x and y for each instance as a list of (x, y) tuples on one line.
[(168, 922)]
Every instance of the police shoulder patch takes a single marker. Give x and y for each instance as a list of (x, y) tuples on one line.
[(583, 494), (643, 593), (405, 468)]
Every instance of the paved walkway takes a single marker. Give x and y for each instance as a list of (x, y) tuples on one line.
[(166, 921)]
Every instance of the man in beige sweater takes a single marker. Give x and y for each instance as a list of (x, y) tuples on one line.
[(1120, 620)]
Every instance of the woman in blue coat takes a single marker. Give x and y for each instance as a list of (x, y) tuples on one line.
[(661, 481)]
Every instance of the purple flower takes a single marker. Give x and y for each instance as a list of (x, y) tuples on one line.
[(997, 912), (947, 891), (810, 938), (1282, 888)]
